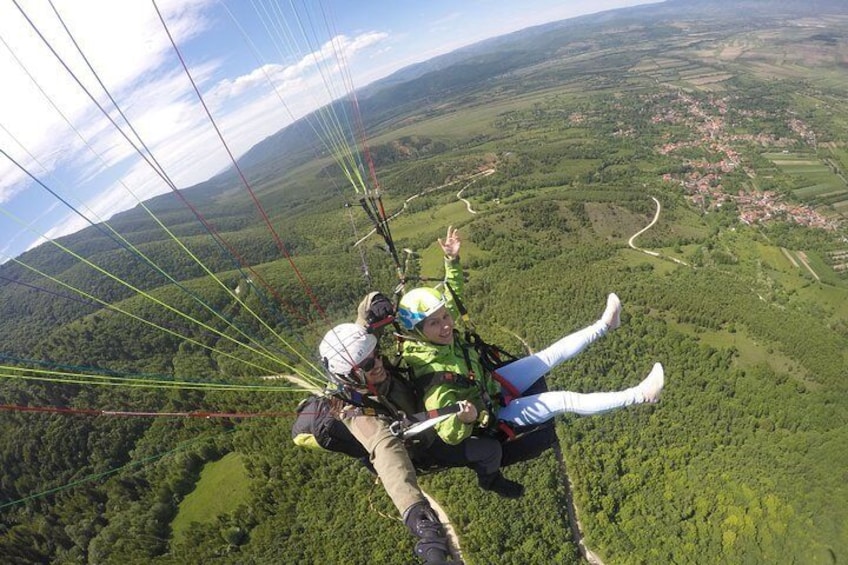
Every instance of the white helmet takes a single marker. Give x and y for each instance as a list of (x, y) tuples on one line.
[(342, 350)]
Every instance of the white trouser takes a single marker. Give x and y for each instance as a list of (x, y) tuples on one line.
[(539, 408), (522, 373)]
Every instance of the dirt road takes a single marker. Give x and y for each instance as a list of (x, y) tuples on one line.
[(471, 180), (646, 228)]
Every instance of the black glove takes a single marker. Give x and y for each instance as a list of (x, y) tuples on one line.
[(375, 311)]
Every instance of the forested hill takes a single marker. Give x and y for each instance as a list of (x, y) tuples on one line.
[(724, 121), (401, 96)]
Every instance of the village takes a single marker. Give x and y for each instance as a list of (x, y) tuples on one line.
[(703, 181)]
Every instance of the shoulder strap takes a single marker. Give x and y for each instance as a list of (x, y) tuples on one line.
[(368, 405), (429, 380), (492, 358)]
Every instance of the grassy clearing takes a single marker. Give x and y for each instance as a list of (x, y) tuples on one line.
[(688, 224), (816, 181), (469, 121), (822, 269), (222, 487), (632, 258), (840, 154), (786, 157), (774, 258), (433, 222), (833, 300), (614, 222), (751, 352)]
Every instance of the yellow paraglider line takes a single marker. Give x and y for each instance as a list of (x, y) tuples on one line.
[(65, 377), (343, 154)]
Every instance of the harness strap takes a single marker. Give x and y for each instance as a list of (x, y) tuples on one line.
[(511, 393), (463, 311), (401, 424), (429, 380), (481, 386), (421, 421), (507, 430), (491, 358), (367, 406)]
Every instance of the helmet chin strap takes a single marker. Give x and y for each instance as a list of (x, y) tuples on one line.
[(359, 375)]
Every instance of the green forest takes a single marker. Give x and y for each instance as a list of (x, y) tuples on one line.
[(564, 153)]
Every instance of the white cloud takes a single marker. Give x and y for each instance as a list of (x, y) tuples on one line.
[(292, 78), (134, 57), (130, 56), (125, 52)]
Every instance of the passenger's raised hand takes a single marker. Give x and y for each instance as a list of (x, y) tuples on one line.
[(450, 245)]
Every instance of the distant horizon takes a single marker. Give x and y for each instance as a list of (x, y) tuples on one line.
[(53, 129)]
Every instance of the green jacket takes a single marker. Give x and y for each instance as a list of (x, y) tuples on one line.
[(425, 358)]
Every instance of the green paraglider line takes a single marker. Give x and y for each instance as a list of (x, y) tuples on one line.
[(145, 414), (6, 372), (150, 160), (342, 153), (93, 374), (348, 160), (339, 147), (158, 302), (222, 243), (332, 138), (241, 174), (122, 241), (148, 322)]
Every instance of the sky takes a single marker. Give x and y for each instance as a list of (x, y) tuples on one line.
[(91, 86)]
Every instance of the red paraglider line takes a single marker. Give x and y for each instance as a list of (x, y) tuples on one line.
[(244, 181), (149, 158)]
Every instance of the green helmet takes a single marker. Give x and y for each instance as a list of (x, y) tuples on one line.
[(417, 304)]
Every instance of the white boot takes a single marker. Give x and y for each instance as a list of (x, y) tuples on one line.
[(653, 384), (612, 315)]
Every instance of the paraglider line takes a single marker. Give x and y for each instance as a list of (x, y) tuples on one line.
[(258, 205)]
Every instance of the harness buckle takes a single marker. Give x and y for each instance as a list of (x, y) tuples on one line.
[(396, 428)]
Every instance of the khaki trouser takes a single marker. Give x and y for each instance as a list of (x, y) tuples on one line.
[(390, 459)]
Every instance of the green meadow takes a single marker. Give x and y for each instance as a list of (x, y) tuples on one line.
[(223, 486)]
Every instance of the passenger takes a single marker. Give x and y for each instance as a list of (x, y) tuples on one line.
[(449, 370), (482, 454)]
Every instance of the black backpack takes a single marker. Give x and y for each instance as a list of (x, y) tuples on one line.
[(316, 427)]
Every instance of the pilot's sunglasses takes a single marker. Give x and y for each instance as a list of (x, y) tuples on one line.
[(368, 364)]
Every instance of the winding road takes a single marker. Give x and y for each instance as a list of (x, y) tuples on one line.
[(472, 179), (453, 538), (646, 228)]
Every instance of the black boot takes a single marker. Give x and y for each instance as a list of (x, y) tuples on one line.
[(499, 484), (432, 546)]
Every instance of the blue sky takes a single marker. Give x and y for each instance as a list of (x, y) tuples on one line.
[(53, 130)]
